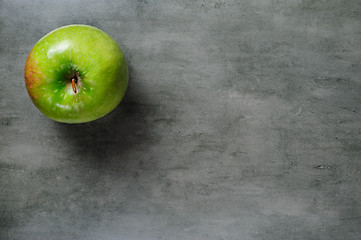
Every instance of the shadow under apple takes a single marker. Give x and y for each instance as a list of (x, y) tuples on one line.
[(106, 141)]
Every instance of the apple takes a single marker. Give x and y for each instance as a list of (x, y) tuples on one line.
[(76, 74)]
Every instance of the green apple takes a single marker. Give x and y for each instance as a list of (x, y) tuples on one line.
[(76, 74)]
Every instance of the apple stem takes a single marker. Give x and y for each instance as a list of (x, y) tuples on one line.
[(73, 80)]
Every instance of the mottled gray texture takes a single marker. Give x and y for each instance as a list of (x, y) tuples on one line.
[(242, 121)]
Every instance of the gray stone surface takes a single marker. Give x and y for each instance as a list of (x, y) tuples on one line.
[(242, 121)]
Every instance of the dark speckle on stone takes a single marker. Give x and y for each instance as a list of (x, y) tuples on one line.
[(6, 121)]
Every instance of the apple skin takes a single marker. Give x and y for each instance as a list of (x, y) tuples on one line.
[(76, 74)]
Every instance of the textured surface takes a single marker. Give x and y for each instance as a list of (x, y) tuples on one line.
[(242, 121)]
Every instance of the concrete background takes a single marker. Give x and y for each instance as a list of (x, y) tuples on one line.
[(242, 121)]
